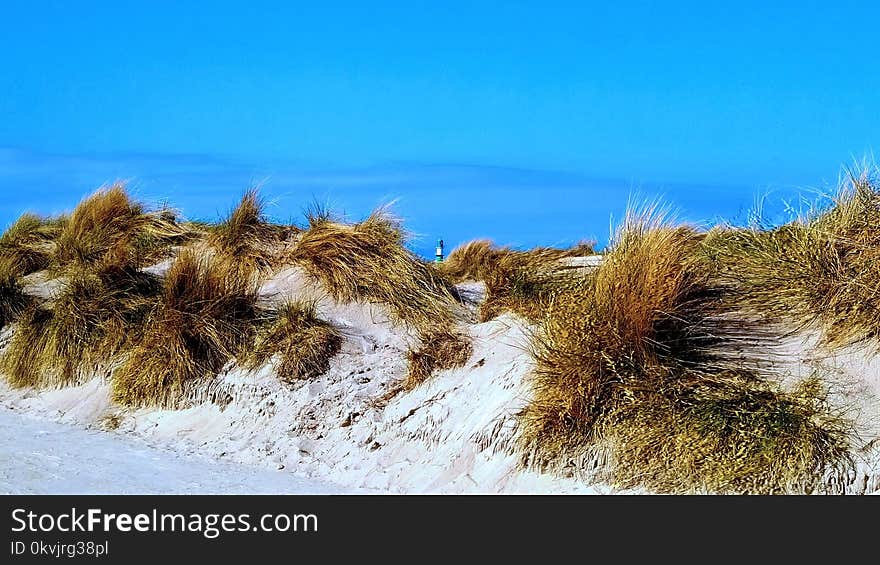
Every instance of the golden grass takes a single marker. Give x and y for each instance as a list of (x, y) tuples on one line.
[(104, 298), (516, 281), (204, 317), (479, 259), (730, 434), (471, 261), (25, 361), (304, 343), (631, 359), (24, 249), (822, 271), (96, 316), (367, 262), (246, 239), (13, 300), (109, 228), (440, 350), (627, 360), (28, 243)]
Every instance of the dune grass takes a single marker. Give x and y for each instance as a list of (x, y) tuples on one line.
[(104, 298), (440, 350), (631, 359), (628, 367), (517, 281), (246, 239), (25, 248), (95, 316), (109, 228), (368, 262), (13, 300), (303, 343), (204, 317), (821, 271), (28, 242)]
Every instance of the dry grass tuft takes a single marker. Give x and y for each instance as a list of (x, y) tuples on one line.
[(440, 350), (730, 434), (517, 281), (108, 229), (205, 316), (821, 271), (246, 239), (368, 262), (24, 361), (28, 243), (478, 260), (472, 261), (24, 249), (96, 316), (304, 343), (627, 360), (13, 300)]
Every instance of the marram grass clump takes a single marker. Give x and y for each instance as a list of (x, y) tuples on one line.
[(516, 281), (733, 435), (630, 371), (368, 262), (28, 243), (13, 300), (95, 316), (821, 271), (205, 316), (25, 248), (477, 260), (108, 228), (246, 239), (439, 350), (301, 343)]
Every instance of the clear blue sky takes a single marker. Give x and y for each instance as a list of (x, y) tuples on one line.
[(527, 122)]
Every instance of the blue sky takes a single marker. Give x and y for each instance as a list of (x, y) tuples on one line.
[(526, 122)]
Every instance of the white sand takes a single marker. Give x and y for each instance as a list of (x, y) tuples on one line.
[(62, 459)]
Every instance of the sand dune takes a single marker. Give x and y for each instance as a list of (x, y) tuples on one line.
[(454, 434)]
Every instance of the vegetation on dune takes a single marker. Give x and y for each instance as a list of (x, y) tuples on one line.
[(204, 317), (820, 271), (95, 316), (630, 365), (517, 281), (108, 228), (732, 435), (103, 299), (25, 361), (13, 300), (440, 350), (648, 362), (24, 249), (246, 239), (479, 259), (27, 244), (368, 262), (304, 344)]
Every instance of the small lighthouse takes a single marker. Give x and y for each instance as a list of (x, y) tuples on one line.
[(439, 255)]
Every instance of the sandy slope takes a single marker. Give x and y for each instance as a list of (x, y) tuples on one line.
[(454, 434)]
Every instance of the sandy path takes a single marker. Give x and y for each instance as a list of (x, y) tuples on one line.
[(62, 459)]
